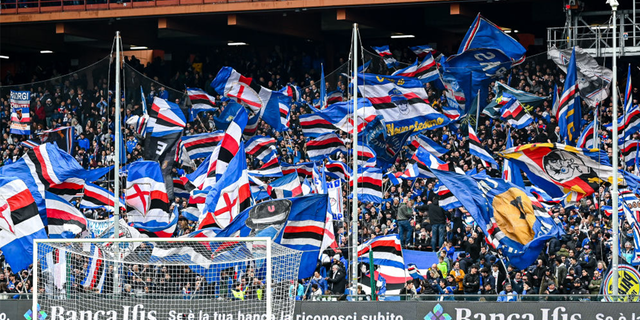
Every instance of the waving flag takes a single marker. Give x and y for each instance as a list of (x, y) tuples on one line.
[(446, 199), (201, 145), (593, 80), (425, 71), (528, 100), (165, 118), (200, 101), (271, 167), (629, 152), (484, 34), (569, 109), (229, 196), (369, 184), (385, 53), (65, 220), (515, 222), (292, 92), (20, 223), (421, 51), (476, 149), (63, 137), (387, 251), (313, 125), (634, 222), (139, 124), (338, 170), (421, 164), (366, 156), (70, 189), (20, 116), (245, 90), (324, 146), (628, 123), (514, 113), (334, 96), (147, 200), (95, 197), (402, 103), (296, 223), (96, 267), (628, 99), (586, 137), (285, 187), (433, 147), (340, 114), (303, 169), (260, 147), (228, 148), (510, 171), (387, 147), (558, 168)]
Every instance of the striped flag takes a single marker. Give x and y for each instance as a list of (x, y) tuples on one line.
[(201, 145), (628, 123), (476, 149), (366, 156), (334, 96), (402, 102), (192, 212), (510, 171), (229, 196), (446, 199), (245, 90), (513, 112), (65, 220), (303, 169), (433, 147), (385, 53), (426, 71), (314, 125), (338, 170), (628, 98), (63, 137), (95, 266), (200, 101), (324, 146), (95, 197), (387, 251), (369, 184), (340, 114), (29, 144), (586, 137), (139, 124), (569, 108), (20, 223), (165, 118), (630, 151), (70, 189), (421, 51), (285, 187), (180, 187), (147, 200), (260, 147), (228, 148), (271, 167)]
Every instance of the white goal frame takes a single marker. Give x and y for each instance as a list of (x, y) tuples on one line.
[(268, 242)]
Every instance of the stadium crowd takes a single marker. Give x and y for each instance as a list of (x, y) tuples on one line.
[(573, 264)]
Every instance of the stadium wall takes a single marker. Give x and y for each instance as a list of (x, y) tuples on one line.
[(398, 310)]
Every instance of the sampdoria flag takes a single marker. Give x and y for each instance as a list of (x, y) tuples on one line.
[(147, 200), (286, 187), (484, 34), (476, 149), (65, 220), (228, 82), (421, 51), (628, 98), (385, 53), (63, 137), (230, 195), (324, 146), (260, 147), (95, 197), (402, 103), (228, 148), (337, 170), (340, 114), (387, 251), (433, 147), (569, 108), (369, 184), (200, 101), (559, 169), (514, 221), (20, 117), (200, 145), (425, 71), (586, 137), (314, 125), (20, 223), (510, 171), (303, 169), (513, 112)]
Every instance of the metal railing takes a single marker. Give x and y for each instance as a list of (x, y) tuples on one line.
[(365, 298), (597, 39)]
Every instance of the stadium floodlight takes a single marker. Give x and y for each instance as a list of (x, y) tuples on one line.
[(164, 278), (236, 43), (138, 47), (46, 51), (4, 57), (402, 36)]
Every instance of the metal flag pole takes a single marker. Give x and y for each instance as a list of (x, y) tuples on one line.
[(614, 160), (116, 164), (477, 111), (354, 206)]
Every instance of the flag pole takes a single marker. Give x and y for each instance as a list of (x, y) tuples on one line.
[(477, 111), (614, 160), (116, 163), (354, 206)]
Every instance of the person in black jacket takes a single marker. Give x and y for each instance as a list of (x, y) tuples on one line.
[(438, 219), (471, 281), (337, 280)]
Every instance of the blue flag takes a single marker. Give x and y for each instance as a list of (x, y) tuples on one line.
[(227, 115), (513, 221), (510, 171), (569, 108), (484, 34)]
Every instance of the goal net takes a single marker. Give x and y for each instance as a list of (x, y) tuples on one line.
[(163, 279)]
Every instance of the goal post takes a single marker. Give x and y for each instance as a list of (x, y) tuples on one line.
[(163, 279)]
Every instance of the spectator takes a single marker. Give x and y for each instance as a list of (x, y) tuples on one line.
[(405, 214), (471, 281), (336, 280), (408, 292), (508, 295)]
